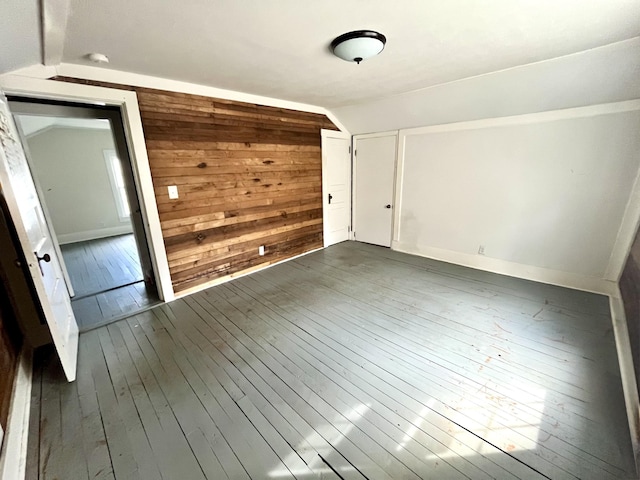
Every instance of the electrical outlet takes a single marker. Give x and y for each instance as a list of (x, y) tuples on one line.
[(261, 250), (481, 250), (173, 192)]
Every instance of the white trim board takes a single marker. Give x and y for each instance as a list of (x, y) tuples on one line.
[(527, 118), (388, 133), (13, 456), (94, 234), (627, 371), (87, 72), (511, 269), (54, 16), (132, 122)]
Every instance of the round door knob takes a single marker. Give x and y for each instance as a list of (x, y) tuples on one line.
[(46, 257), (387, 206)]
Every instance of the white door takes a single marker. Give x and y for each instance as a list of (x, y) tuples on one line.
[(375, 161), (336, 186), (45, 211), (43, 264)]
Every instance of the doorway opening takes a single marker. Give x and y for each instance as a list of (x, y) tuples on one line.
[(81, 166)]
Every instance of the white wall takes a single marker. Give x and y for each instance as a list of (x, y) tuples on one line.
[(71, 169), (602, 75), (545, 194)]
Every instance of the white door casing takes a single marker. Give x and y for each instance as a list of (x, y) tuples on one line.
[(336, 186), (374, 181), (44, 267), (127, 102)]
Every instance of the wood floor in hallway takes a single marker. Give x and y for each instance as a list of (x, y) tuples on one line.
[(107, 280), (102, 264), (351, 362)]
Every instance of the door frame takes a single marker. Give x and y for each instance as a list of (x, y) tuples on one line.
[(354, 175), (324, 133), (127, 101), (120, 149)]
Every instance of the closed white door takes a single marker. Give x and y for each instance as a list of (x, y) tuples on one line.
[(375, 160), (43, 264), (336, 186)]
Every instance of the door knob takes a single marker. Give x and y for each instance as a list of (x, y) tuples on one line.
[(46, 257), (387, 206)]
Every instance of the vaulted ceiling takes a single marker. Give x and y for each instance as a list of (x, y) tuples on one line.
[(280, 48)]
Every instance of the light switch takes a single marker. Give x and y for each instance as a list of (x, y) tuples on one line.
[(173, 192)]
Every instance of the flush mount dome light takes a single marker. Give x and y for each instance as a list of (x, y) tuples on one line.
[(98, 57), (359, 45)]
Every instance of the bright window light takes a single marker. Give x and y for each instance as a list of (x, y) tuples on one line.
[(118, 186)]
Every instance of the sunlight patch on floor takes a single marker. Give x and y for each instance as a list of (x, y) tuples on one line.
[(511, 424), (343, 423)]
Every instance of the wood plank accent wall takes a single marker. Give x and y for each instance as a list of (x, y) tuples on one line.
[(247, 175)]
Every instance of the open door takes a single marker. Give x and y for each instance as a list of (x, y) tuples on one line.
[(17, 186)]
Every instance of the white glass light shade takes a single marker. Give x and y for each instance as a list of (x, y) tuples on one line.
[(358, 46)]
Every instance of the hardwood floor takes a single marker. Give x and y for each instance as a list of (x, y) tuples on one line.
[(107, 279), (103, 308), (96, 266), (352, 362)]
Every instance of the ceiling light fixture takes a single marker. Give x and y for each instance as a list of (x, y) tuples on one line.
[(98, 58), (359, 45)]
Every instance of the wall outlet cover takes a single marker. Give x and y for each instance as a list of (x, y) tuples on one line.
[(261, 250), (173, 192)]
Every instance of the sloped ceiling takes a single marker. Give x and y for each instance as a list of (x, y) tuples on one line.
[(280, 48), (600, 75)]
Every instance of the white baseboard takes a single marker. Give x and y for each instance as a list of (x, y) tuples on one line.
[(13, 456), (627, 372), (93, 234), (527, 272)]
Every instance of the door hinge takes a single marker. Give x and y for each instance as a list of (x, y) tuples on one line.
[(348, 228), (349, 148)]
